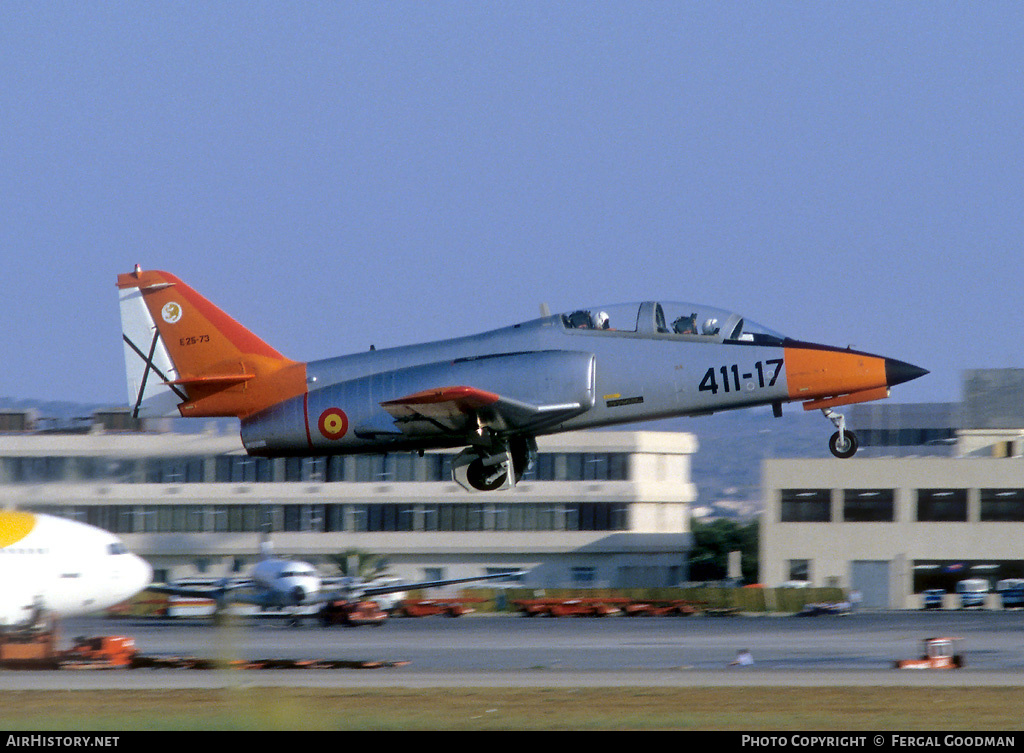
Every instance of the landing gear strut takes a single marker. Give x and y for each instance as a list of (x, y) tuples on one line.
[(842, 444)]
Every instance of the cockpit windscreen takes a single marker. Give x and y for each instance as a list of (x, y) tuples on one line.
[(684, 320)]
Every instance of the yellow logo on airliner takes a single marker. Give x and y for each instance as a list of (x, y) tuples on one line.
[(14, 526)]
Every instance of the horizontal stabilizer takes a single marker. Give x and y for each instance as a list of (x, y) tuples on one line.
[(214, 379)]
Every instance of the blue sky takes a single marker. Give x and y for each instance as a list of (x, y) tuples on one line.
[(346, 173)]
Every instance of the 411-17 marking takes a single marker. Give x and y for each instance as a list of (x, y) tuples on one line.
[(731, 376)]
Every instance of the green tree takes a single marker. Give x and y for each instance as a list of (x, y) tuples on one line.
[(712, 542), (360, 564)]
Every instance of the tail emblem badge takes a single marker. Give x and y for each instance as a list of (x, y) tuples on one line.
[(171, 312)]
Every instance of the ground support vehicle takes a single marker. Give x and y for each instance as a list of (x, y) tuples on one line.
[(430, 607), (678, 607), (351, 613), (938, 653), (581, 607)]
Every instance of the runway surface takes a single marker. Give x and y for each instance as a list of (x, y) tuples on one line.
[(514, 651)]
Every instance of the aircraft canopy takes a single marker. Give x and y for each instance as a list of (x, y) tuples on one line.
[(686, 320)]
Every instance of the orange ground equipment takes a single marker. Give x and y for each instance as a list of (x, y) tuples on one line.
[(35, 647), (584, 607), (430, 607), (101, 652), (938, 654), (39, 651), (352, 613), (674, 608)]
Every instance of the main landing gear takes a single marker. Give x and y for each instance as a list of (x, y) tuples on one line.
[(842, 444), (486, 469)]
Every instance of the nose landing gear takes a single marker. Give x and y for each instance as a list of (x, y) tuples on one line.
[(842, 444)]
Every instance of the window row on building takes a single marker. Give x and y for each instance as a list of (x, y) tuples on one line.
[(932, 573), (945, 574), (879, 505), (397, 467), (325, 518), (907, 437)]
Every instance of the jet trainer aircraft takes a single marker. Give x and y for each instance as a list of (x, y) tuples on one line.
[(491, 393), (53, 567)]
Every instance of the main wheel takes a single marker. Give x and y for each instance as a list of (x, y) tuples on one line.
[(483, 477), (843, 445)]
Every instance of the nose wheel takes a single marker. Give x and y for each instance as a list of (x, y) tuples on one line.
[(842, 444)]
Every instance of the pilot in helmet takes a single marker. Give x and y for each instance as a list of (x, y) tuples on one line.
[(601, 321), (685, 325)]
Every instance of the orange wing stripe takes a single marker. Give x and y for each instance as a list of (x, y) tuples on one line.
[(469, 397)]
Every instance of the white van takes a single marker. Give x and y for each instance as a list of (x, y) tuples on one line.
[(1011, 593), (972, 593)]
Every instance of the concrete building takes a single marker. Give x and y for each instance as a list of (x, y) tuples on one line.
[(604, 509), (892, 527), (949, 508)]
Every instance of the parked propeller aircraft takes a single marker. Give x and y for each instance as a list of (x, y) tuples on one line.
[(491, 393), (292, 586), (52, 568)]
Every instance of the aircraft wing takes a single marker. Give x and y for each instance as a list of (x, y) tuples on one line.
[(212, 590), (362, 590), (462, 409)]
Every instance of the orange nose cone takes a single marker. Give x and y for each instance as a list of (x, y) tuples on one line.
[(816, 373)]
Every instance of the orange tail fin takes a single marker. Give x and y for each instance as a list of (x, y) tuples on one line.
[(184, 353)]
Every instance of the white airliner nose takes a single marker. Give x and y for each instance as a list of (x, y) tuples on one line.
[(135, 576)]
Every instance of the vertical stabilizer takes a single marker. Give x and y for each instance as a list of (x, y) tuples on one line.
[(184, 355)]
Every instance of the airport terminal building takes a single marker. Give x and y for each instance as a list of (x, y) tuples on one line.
[(938, 499), (598, 509)]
